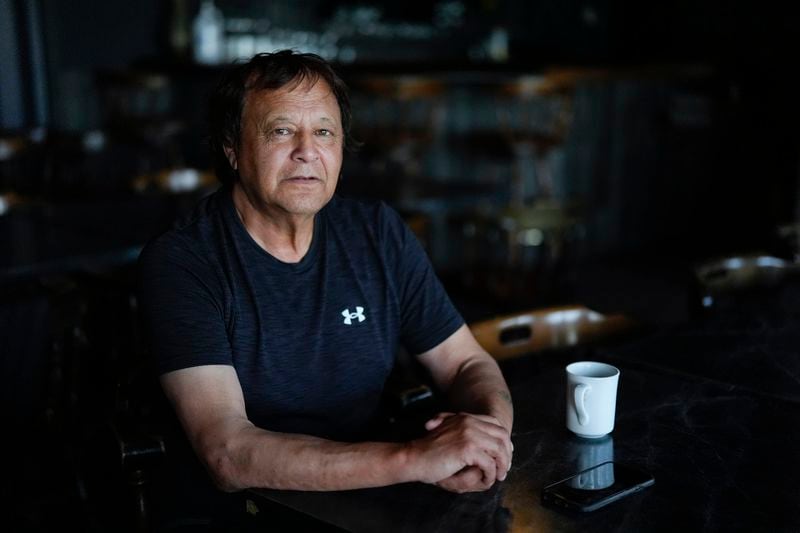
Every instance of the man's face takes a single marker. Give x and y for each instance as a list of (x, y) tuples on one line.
[(290, 151)]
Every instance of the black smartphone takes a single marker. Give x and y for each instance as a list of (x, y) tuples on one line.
[(596, 487)]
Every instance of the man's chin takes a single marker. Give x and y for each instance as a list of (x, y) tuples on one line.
[(304, 206)]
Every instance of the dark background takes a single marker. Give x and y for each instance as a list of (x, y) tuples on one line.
[(717, 166), (680, 146)]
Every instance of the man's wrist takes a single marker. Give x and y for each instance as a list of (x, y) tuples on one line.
[(502, 409), (404, 461)]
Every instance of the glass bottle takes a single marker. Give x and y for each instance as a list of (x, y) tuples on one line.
[(208, 34)]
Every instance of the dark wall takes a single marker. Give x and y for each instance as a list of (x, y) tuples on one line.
[(84, 35), (729, 179)]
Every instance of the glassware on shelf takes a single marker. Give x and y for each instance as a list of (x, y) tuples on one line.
[(208, 32)]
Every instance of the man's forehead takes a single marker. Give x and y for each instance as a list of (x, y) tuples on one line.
[(303, 93)]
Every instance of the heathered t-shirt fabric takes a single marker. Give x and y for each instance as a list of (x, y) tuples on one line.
[(312, 342)]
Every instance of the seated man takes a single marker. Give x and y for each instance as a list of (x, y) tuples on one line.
[(276, 310)]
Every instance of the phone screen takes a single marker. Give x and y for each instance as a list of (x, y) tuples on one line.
[(595, 487)]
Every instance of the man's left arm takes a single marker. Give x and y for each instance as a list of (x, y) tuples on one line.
[(474, 386)]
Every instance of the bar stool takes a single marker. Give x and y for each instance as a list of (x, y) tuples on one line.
[(518, 254), (789, 236), (140, 115), (23, 166), (534, 116), (403, 117), (515, 251)]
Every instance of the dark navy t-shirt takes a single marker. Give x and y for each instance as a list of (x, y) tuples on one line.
[(312, 342)]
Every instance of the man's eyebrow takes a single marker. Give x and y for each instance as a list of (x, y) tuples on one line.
[(271, 120), (328, 120), (283, 118)]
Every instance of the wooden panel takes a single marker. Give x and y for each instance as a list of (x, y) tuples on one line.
[(545, 329)]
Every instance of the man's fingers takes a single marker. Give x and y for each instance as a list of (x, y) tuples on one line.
[(492, 441), (433, 423), (437, 420), (473, 451), (502, 459), (494, 422), (488, 466), (505, 446), (470, 479), (497, 444)]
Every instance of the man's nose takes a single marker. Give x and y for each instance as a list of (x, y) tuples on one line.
[(305, 149)]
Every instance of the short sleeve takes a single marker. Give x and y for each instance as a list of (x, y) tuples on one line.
[(427, 315), (181, 307)]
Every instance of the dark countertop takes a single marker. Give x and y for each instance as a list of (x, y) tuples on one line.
[(749, 343), (710, 408)]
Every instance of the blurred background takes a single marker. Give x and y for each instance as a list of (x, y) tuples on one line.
[(545, 152)]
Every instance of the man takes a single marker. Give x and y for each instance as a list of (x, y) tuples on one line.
[(276, 310)]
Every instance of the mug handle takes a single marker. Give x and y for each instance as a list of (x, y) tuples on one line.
[(580, 403)]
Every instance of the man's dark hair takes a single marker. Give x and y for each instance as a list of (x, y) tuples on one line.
[(264, 71)]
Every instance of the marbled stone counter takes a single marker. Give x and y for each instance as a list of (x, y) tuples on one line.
[(711, 409)]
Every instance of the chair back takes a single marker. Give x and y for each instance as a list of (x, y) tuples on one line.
[(549, 328)]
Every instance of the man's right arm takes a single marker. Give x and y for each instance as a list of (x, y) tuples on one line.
[(238, 455)]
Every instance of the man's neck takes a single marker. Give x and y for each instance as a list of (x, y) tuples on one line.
[(283, 235)]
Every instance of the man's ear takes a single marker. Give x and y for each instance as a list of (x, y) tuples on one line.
[(230, 153)]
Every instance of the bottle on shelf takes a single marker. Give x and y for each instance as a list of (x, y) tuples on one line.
[(208, 34)]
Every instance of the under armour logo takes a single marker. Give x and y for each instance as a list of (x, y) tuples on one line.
[(348, 316)]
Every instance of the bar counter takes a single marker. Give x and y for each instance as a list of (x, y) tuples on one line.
[(711, 408)]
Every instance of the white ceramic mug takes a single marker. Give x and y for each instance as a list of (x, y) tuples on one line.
[(591, 398)]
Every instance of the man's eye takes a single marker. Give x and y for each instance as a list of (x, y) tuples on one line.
[(324, 133), (281, 131)]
